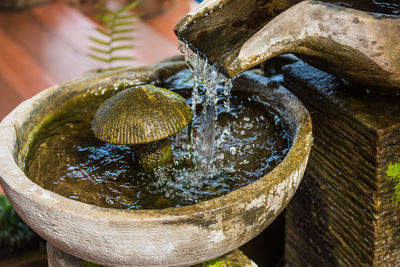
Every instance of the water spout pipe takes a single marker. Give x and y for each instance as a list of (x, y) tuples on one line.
[(236, 35)]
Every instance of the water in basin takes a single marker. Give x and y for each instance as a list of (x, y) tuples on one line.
[(67, 159)]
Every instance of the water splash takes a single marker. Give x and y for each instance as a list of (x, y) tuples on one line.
[(206, 77)]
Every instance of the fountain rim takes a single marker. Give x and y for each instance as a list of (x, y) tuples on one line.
[(12, 176)]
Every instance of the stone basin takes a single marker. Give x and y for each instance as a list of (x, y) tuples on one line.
[(166, 237)]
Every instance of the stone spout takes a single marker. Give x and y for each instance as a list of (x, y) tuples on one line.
[(360, 46)]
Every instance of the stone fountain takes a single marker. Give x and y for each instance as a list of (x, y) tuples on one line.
[(347, 209), (359, 45), (177, 236)]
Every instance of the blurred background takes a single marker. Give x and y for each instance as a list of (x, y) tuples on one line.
[(46, 42)]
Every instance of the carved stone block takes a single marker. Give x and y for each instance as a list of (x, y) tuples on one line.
[(346, 211)]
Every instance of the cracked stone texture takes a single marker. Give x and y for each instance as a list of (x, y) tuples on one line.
[(343, 213)]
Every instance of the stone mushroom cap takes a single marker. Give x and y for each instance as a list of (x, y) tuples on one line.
[(141, 115)]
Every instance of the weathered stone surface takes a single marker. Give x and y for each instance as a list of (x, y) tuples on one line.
[(178, 236), (141, 114), (344, 213), (237, 35), (58, 258)]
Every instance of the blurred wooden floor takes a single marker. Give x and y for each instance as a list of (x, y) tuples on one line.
[(48, 44)]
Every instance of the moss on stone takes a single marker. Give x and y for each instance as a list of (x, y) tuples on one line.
[(235, 258), (393, 174), (219, 262)]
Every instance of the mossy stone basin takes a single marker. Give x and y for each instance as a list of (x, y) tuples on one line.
[(166, 237)]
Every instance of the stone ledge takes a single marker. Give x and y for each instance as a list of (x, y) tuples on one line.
[(58, 258)]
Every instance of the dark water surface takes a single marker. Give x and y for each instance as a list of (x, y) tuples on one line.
[(66, 158)]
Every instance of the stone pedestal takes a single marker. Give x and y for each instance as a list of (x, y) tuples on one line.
[(58, 258), (346, 211)]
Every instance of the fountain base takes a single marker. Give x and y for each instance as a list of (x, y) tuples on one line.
[(346, 211), (58, 258)]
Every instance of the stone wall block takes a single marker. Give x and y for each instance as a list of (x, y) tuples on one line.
[(344, 213)]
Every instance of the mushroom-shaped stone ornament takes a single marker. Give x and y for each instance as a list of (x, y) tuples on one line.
[(143, 116)]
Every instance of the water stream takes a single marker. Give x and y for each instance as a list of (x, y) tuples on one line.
[(206, 77)]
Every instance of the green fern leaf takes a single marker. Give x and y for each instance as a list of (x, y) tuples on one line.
[(124, 23), (124, 47), (123, 38), (98, 50), (124, 31), (128, 7), (116, 27), (132, 16), (105, 19), (98, 58), (112, 59), (101, 42), (103, 32)]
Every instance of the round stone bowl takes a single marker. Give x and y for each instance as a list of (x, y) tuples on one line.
[(167, 237)]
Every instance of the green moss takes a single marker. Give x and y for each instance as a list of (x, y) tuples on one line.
[(74, 105), (219, 262), (154, 154), (393, 174)]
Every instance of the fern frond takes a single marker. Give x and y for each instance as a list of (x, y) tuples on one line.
[(124, 23), (124, 31), (115, 27), (101, 42), (103, 32), (106, 18), (124, 47), (133, 16), (128, 7), (112, 59), (98, 50), (98, 58), (123, 38)]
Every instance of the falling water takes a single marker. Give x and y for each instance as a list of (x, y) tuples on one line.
[(206, 77)]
